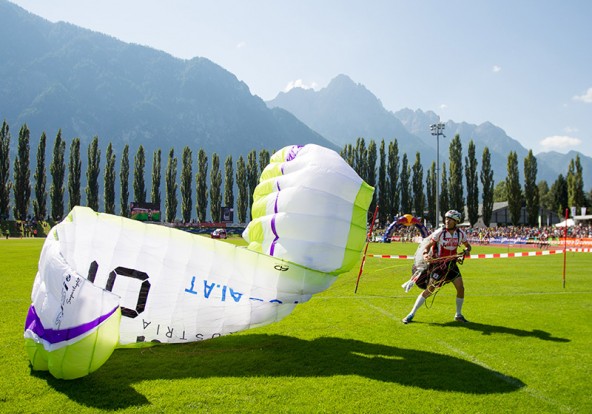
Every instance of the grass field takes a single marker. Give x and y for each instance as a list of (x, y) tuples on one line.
[(528, 348)]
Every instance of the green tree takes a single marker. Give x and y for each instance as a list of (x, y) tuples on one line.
[(545, 201), (444, 196), (201, 195), (406, 201), (531, 191), (544, 192), (74, 167), (575, 184), (392, 177), (558, 196), (57, 169), (155, 194), (40, 202), (417, 186), (487, 184), (109, 181), (472, 178), (229, 182), (500, 192), (124, 182), (170, 201), (252, 176), (22, 174), (242, 185), (513, 189), (5, 183), (264, 157), (384, 208), (186, 184), (431, 183), (92, 174), (361, 159), (455, 184), (216, 188), (347, 153), (371, 155), (139, 170)]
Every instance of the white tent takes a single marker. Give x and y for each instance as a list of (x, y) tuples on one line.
[(583, 219), (564, 223)]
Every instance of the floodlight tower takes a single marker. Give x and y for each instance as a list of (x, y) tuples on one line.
[(437, 131)]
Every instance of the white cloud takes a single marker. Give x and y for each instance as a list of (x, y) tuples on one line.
[(443, 106), (570, 129), (586, 97), (496, 68), (560, 142), (241, 44), (299, 83)]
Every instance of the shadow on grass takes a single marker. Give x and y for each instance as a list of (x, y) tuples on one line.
[(244, 356), (494, 329)]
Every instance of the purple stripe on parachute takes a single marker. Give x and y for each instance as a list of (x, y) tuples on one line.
[(273, 229), (293, 152), (289, 157), (53, 336)]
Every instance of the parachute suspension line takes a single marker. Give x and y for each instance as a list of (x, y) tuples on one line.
[(433, 296), (440, 284), (435, 288), (366, 248)]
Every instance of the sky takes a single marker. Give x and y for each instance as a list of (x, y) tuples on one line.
[(525, 66)]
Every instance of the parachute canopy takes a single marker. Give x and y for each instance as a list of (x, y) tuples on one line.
[(310, 208), (106, 282)]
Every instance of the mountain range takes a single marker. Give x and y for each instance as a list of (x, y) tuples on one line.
[(345, 110), (60, 76), (56, 75)]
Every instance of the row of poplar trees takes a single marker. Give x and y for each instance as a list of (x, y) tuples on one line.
[(247, 175), (400, 187)]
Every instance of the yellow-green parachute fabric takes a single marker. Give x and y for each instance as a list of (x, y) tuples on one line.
[(310, 208), (107, 282)]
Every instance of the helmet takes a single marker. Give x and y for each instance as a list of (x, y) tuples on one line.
[(453, 214)]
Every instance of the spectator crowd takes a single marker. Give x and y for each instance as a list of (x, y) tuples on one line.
[(485, 235)]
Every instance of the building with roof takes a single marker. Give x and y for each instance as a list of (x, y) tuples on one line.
[(500, 216)]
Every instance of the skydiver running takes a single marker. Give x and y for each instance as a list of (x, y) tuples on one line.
[(439, 257)]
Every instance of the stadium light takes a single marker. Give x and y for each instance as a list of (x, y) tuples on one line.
[(437, 130)]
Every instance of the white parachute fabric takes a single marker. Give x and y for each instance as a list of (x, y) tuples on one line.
[(176, 287), (419, 265), (106, 281), (419, 261), (310, 208), (58, 292)]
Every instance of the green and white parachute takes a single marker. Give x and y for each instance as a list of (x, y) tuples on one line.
[(107, 282)]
